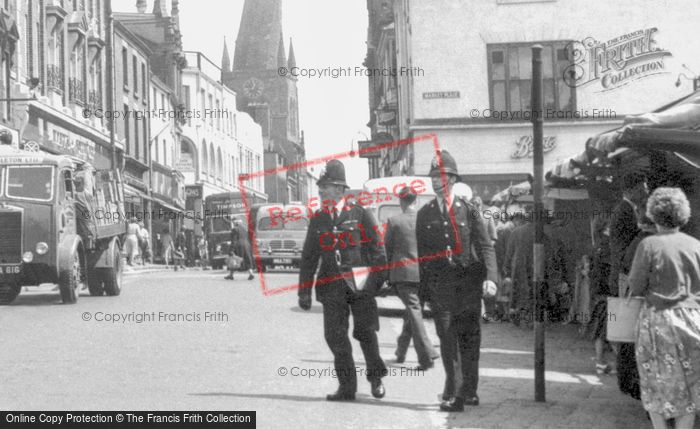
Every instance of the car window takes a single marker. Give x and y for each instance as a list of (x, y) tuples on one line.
[(30, 182)]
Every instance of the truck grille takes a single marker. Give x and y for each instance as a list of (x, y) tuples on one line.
[(282, 244), (10, 237)]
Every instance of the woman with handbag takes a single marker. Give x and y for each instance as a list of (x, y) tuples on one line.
[(666, 272)]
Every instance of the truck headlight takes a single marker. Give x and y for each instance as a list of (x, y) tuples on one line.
[(42, 248), (28, 257)]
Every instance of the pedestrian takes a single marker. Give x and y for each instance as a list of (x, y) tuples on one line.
[(666, 272), (144, 243), (600, 291), (233, 262), (627, 374), (166, 246), (455, 279), (623, 227), (131, 243), (402, 254), (203, 253), (240, 241), (180, 250), (333, 238), (517, 269)]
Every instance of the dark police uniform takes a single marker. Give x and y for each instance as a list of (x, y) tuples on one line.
[(349, 241), (453, 285)]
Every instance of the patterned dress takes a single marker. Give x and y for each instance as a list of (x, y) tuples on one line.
[(666, 271)]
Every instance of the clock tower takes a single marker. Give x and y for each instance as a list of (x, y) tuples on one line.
[(266, 90)]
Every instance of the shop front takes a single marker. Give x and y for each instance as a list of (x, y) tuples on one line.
[(168, 211), (492, 158)]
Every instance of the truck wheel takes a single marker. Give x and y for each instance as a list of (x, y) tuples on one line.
[(70, 280), (8, 293), (112, 277), (95, 283)]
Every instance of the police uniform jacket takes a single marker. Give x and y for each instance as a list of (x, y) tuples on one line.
[(353, 240), (455, 281)]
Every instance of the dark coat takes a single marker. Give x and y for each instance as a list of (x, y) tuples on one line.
[(623, 229), (240, 244), (475, 263), (354, 239), (400, 243)]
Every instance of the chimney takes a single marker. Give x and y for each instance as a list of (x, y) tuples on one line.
[(160, 9), (141, 6), (175, 12)]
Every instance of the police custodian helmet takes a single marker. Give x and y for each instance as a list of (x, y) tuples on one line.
[(333, 174), (449, 165)]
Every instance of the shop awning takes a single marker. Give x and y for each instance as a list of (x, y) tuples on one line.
[(168, 206), (673, 128), (131, 193)]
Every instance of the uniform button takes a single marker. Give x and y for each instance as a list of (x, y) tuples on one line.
[(445, 222), (447, 235)]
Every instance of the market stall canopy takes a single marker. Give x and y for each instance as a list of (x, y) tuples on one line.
[(674, 128)]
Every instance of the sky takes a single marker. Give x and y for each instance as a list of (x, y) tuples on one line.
[(333, 113)]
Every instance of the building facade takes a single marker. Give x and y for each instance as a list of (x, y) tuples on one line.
[(269, 97), (221, 142), (56, 54), (467, 80)]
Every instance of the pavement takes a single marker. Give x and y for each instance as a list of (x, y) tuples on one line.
[(254, 352)]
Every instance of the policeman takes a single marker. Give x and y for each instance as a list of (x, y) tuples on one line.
[(343, 235), (458, 267)]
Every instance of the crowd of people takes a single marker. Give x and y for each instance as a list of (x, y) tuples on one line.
[(637, 251)]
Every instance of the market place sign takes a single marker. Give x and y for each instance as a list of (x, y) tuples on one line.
[(524, 146), (440, 94)]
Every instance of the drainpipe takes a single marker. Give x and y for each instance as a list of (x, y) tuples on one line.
[(109, 36)]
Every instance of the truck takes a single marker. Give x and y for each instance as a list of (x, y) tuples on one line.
[(61, 221), (219, 211), (280, 231)]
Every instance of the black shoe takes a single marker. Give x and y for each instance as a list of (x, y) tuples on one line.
[(474, 401), (339, 395), (228, 277), (378, 389), (425, 367), (400, 359), (251, 277), (454, 405)]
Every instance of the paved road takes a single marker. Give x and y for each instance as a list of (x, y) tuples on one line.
[(236, 349)]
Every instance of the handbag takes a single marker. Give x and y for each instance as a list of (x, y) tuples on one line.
[(622, 318)]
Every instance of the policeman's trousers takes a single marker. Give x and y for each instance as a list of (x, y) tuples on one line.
[(336, 312), (460, 339)]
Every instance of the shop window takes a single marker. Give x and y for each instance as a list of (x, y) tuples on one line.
[(510, 76)]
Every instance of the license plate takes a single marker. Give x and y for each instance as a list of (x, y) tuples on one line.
[(10, 269), (282, 261)]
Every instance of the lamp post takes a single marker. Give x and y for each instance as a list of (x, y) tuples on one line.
[(695, 78)]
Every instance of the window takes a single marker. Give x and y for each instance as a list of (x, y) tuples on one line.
[(155, 99), (157, 151), (126, 128), (143, 82), (510, 77), (135, 68), (125, 68), (146, 141), (136, 136), (211, 106), (30, 182), (218, 117), (165, 152)]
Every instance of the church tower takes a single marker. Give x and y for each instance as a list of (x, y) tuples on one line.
[(266, 90)]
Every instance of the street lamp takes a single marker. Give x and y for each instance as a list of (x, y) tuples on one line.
[(353, 140)]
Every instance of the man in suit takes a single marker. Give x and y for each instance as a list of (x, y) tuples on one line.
[(343, 235), (447, 230), (623, 227), (401, 249)]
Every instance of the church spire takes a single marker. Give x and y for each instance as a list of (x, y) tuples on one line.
[(225, 59), (257, 44), (291, 61), (281, 58)]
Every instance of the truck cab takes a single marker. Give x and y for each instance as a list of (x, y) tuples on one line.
[(43, 213)]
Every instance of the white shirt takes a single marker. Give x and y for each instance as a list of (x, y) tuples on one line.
[(442, 202)]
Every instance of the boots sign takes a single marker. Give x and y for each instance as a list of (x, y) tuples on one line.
[(524, 146)]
